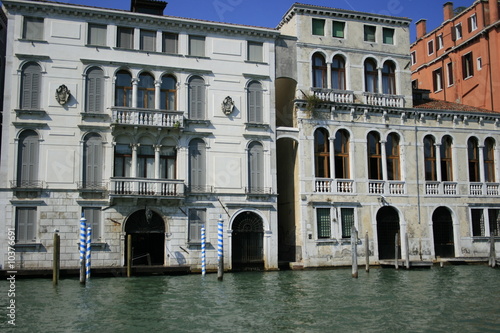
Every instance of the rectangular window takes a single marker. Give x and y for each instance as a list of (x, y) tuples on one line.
[(255, 51), (494, 217), (477, 216), (338, 29), (33, 28), (347, 218), (148, 40), (197, 46), (479, 63), (93, 217), (25, 224), (318, 27), (125, 38), (170, 42), (430, 47), (458, 31), (413, 58), (467, 66), (414, 84), (324, 222), (388, 35), (197, 219), (440, 43), (472, 23), (437, 77), (485, 222), (369, 33), (451, 78), (97, 34)]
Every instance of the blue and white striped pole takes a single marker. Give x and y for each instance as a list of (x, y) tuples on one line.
[(83, 234), (220, 249), (87, 258), (203, 252)]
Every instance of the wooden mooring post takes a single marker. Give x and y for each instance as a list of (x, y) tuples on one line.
[(396, 251), (492, 261), (367, 253), (129, 255), (407, 254), (56, 259), (354, 246)]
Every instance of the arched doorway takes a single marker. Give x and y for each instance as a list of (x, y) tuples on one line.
[(387, 227), (247, 242), (442, 228), (147, 229)]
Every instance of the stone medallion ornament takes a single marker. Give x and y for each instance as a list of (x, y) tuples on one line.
[(62, 94), (227, 105)]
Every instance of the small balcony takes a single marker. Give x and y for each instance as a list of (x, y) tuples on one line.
[(336, 96), (484, 189), (91, 186), (441, 188), (145, 187), (27, 184), (384, 100), (340, 186), (199, 189), (390, 187), (258, 191), (144, 117)]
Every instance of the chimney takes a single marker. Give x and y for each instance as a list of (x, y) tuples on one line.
[(155, 7), (421, 28), (493, 4), (448, 11)]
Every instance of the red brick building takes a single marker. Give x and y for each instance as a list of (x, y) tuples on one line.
[(460, 60)]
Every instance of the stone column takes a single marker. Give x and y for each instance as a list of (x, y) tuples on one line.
[(329, 75), (157, 161), (481, 163), (135, 82), (438, 162), (133, 167), (157, 94)]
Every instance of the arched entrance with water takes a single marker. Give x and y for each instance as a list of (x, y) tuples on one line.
[(387, 227), (147, 229), (442, 228), (247, 242)]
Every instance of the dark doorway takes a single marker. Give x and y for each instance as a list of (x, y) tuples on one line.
[(442, 227), (387, 227), (247, 242), (147, 229)]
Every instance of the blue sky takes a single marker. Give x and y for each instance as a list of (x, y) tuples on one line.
[(268, 13)]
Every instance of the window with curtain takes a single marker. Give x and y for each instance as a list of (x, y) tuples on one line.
[(125, 38), (446, 159), (148, 40), (388, 36), (92, 161), (170, 42), (197, 46), (146, 161), (123, 89), (342, 164), (146, 91), (338, 73), (393, 157), (489, 160), (467, 65), (371, 76), (33, 28), (389, 78), (28, 163), (255, 51), (437, 79), (322, 153), (196, 98), (122, 160), (97, 34), (473, 159), (347, 219), (168, 159), (323, 221), (197, 165), (31, 77), (319, 71), (197, 219), (430, 158), (94, 90), (255, 101), (374, 156), (168, 93), (25, 224), (255, 167)]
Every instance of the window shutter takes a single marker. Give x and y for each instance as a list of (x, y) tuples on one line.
[(256, 163), (323, 222), (26, 90), (197, 98), (197, 163)]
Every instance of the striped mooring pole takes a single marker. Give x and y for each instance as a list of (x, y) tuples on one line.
[(220, 249), (203, 251), (87, 257), (83, 234)]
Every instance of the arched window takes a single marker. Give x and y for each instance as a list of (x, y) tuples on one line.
[(342, 155), (94, 101), (92, 161), (255, 101), (489, 160), (319, 71), (31, 77), (146, 158), (338, 73), (389, 78), (473, 158), (123, 89), (371, 76), (146, 91), (196, 98), (393, 157), (255, 167), (374, 156), (168, 159), (168, 93), (123, 157), (321, 153), (430, 158), (197, 165), (446, 159), (27, 166)]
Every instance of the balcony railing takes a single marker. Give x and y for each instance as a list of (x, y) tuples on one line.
[(337, 96), (199, 189), (393, 187), (27, 184), (325, 185), (258, 190), (384, 100), (141, 117), (92, 186), (126, 187), (484, 189), (441, 188)]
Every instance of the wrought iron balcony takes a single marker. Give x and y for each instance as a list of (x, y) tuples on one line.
[(147, 117), (332, 95), (91, 186), (199, 189), (27, 184), (384, 100), (325, 185), (133, 187), (258, 190)]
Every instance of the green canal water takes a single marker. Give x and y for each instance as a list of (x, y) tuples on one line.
[(449, 299)]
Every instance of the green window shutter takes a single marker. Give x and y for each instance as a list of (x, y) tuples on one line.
[(369, 33), (338, 29), (323, 220), (347, 216), (318, 27), (388, 35)]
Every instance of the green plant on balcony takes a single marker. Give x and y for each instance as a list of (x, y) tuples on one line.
[(312, 102), (177, 124)]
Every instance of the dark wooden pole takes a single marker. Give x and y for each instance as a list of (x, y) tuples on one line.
[(56, 258), (367, 253), (407, 255), (220, 269), (129, 255), (492, 260), (396, 251), (354, 246)]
